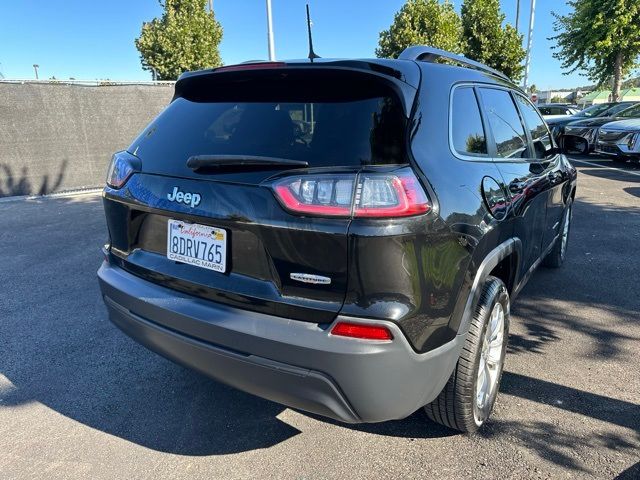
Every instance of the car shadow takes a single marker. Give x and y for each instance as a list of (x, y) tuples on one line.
[(631, 473), (416, 425), (610, 410), (635, 191), (620, 172), (539, 309), (133, 394)]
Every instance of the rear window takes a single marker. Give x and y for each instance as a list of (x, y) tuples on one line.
[(362, 131)]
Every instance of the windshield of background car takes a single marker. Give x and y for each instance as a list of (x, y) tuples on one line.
[(633, 112), (615, 109), (594, 110)]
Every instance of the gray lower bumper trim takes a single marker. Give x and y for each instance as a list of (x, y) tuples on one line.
[(295, 363), (286, 384)]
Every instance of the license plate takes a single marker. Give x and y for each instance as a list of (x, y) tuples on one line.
[(199, 245)]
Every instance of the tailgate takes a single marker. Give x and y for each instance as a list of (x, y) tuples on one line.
[(277, 261), (265, 245)]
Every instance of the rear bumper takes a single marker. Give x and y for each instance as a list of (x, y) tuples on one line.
[(298, 364)]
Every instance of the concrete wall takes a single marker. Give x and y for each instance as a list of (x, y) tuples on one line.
[(56, 137)]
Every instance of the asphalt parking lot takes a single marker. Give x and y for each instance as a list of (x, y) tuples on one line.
[(78, 399)]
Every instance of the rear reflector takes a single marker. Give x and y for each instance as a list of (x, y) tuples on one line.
[(358, 330), (374, 195)]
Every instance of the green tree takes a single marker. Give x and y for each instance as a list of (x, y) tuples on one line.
[(533, 88), (186, 37), (600, 37), (421, 22), (487, 41)]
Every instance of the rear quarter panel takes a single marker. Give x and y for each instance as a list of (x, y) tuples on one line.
[(419, 272)]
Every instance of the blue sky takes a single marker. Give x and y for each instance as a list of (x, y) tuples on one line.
[(89, 39)]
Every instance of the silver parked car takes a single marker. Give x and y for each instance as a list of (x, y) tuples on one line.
[(620, 140)]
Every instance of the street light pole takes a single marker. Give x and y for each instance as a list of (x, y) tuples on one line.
[(35, 67), (517, 14), (272, 51), (529, 42)]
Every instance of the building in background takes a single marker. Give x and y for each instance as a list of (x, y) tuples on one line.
[(557, 96), (603, 96)]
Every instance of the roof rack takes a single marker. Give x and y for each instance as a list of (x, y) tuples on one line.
[(430, 54)]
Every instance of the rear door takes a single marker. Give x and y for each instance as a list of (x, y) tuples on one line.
[(330, 121), (525, 179), (551, 165)]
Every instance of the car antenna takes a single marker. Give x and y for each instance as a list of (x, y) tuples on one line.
[(312, 54)]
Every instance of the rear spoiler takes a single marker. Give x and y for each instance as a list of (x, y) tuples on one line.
[(221, 83)]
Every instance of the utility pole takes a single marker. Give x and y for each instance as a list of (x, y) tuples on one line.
[(36, 67), (529, 42), (517, 14), (272, 51)]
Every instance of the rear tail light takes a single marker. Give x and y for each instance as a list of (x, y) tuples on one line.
[(375, 195), (123, 165), (363, 331)]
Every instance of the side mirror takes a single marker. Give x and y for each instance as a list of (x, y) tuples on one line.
[(572, 145)]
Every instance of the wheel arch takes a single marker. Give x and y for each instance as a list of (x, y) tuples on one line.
[(502, 262)]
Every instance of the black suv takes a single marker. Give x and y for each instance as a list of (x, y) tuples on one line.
[(340, 236)]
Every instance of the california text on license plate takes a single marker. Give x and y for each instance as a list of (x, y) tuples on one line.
[(199, 245)]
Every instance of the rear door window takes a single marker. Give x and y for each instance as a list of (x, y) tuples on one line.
[(504, 121), (540, 135), (467, 131)]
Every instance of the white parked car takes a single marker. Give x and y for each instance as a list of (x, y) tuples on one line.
[(557, 110), (620, 140)]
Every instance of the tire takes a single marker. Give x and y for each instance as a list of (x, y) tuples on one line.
[(458, 406), (555, 258)]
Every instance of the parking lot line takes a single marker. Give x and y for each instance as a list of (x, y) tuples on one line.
[(605, 167)]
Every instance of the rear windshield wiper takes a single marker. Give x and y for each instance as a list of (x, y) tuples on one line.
[(197, 162)]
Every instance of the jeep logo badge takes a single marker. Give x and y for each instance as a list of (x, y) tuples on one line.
[(188, 198)]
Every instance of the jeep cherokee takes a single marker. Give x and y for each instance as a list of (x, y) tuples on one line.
[(340, 236)]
